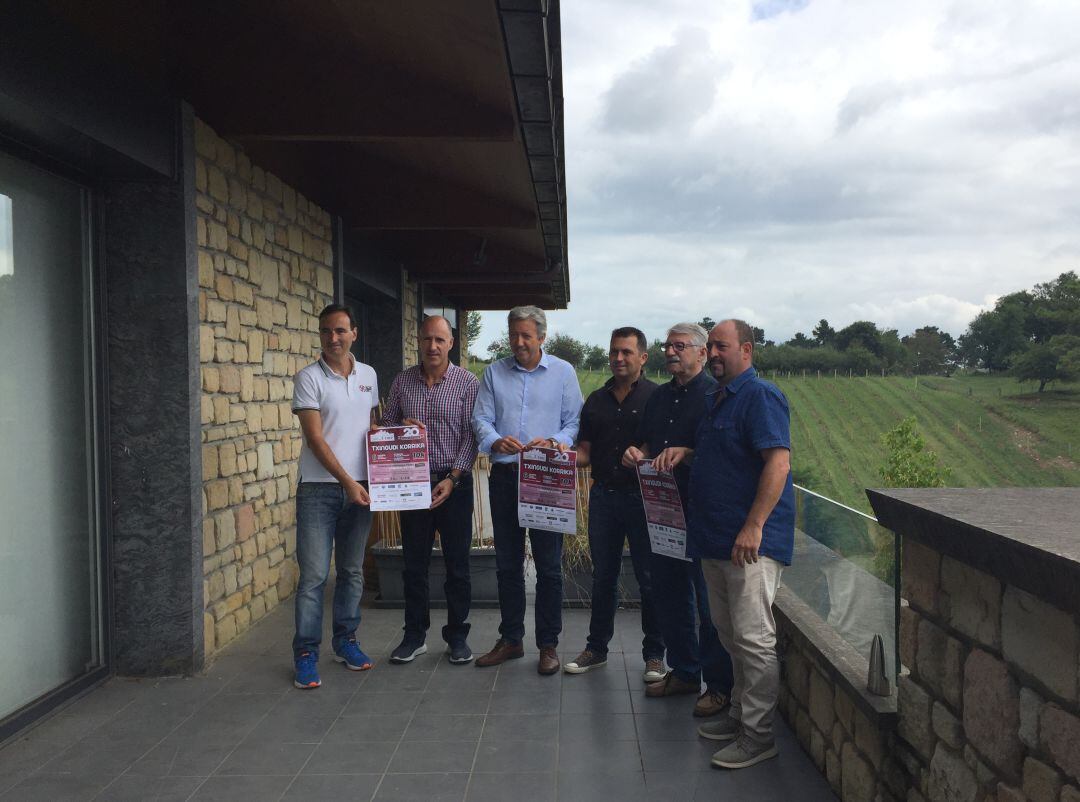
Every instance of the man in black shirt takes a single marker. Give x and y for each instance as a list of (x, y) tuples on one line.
[(609, 424), (671, 418)]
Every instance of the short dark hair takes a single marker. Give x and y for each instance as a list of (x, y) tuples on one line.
[(630, 331), (335, 308), (744, 330)]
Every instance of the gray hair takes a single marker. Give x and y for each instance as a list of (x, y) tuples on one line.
[(693, 331), (533, 313)]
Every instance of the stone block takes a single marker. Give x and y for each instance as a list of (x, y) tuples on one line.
[(1030, 705), (992, 712), (946, 726), (209, 463), (1006, 793), (206, 269), (950, 778), (215, 586), (817, 748), (206, 344), (1070, 794), (211, 378), (971, 602), (265, 453), (249, 551), (217, 184), (1041, 782), (821, 701), (232, 321), (224, 529), (920, 575), (909, 635), (832, 770), (260, 575), (205, 140), (217, 494), (1059, 732), (224, 630), (247, 384), (914, 708), (208, 539), (206, 410), (243, 619), (258, 608), (287, 577), (803, 725), (869, 740), (939, 659), (245, 522), (839, 736), (1041, 640), (844, 707), (208, 634), (229, 573), (223, 351), (216, 311), (857, 779)]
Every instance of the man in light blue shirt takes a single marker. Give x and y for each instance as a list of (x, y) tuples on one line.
[(529, 399)]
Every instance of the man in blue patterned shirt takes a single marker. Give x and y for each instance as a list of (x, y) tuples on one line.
[(529, 399)]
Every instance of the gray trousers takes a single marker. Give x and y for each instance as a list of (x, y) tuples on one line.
[(740, 600)]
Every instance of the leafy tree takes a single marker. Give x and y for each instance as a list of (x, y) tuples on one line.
[(566, 347), (995, 337), (759, 335), (930, 351), (907, 461), (471, 330), (861, 332), (800, 340), (500, 348), (1058, 359), (707, 323), (596, 358), (824, 334), (657, 361)]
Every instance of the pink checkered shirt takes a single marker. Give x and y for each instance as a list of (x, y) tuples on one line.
[(445, 408)]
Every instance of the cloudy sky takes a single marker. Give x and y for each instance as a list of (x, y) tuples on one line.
[(788, 160)]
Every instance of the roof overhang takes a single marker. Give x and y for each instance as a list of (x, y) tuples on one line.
[(433, 128)]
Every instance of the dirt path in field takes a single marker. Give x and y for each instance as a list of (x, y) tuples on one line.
[(1025, 441)]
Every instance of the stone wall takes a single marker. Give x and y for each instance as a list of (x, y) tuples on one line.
[(990, 707), (265, 271), (847, 732)]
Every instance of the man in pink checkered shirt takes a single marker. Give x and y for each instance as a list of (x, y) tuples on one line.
[(438, 395)]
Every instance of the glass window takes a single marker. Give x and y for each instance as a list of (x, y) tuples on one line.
[(50, 592)]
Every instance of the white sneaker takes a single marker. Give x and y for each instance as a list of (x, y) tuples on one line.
[(654, 671)]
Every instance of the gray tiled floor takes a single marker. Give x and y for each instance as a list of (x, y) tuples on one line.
[(425, 731)]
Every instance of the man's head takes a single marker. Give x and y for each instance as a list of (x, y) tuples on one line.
[(684, 351), (528, 330), (436, 340), (731, 349), (628, 353), (337, 330)]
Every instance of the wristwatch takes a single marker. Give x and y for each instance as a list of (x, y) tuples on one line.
[(455, 481)]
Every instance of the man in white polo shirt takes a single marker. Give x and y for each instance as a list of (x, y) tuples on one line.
[(334, 399)]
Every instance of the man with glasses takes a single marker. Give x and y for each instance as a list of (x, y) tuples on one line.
[(609, 423), (670, 419)]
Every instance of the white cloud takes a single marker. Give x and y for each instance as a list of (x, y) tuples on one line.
[(904, 163)]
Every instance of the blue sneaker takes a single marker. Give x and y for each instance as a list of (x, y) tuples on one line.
[(307, 671), (460, 653), (349, 653)]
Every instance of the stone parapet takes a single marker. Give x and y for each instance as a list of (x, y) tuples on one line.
[(988, 707), (265, 261)]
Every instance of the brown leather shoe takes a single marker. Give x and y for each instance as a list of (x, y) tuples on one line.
[(549, 661), (502, 651), (672, 686), (710, 703)]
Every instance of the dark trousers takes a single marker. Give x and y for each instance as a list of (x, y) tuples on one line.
[(510, 565), (694, 651), (453, 521), (615, 517)]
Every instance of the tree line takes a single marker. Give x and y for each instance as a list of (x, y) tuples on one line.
[(1035, 334)]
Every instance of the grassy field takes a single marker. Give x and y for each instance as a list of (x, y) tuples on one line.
[(990, 431)]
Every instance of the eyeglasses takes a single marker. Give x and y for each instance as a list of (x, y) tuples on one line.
[(680, 347)]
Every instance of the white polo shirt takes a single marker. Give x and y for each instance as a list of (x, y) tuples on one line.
[(345, 405)]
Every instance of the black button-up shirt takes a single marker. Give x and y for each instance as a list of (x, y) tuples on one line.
[(671, 419), (611, 427)]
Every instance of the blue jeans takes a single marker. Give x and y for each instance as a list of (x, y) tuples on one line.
[(326, 520), (617, 516), (510, 566), (453, 520), (694, 651)]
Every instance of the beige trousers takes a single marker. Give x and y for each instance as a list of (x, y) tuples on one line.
[(740, 601)]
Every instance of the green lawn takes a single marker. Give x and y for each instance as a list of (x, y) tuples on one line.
[(990, 431)]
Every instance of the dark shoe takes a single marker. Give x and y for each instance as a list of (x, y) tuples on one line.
[(549, 661), (502, 651), (654, 670), (725, 728), (586, 661), (408, 650), (460, 653), (742, 753), (710, 703), (672, 686)]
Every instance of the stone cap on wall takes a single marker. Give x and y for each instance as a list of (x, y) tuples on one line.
[(1025, 536)]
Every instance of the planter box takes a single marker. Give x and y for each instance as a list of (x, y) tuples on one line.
[(577, 585), (390, 563)]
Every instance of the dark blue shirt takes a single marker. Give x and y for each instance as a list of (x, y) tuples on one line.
[(671, 418), (752, 415)]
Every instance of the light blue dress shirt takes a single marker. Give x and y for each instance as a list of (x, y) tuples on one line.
[(514, 402)]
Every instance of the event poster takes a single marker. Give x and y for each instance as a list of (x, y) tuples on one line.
[(399, 477), (547, 490), (663, 511)]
